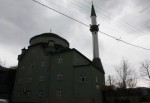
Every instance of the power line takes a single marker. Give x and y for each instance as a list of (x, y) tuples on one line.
[(73, 4), (85, 8), (120, 20), (145, 9), (60, 13), (89, 26)]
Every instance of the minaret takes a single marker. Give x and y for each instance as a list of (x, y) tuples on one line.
[(94, 29)]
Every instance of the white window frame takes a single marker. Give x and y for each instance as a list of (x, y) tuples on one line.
[(43, 63), (59, 93), (24, 90), (97, 86), (30, 80), (60, 60), (41, 78), (60, 76), (20, 81), (40, 93), (19, 93), (29, 93), (96, 79)]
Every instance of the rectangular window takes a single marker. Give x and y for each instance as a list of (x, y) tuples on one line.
[(30, 80), (97, 86), (18, 93), (96, 79), (24, 90), (59, 76), (41, 93), (83, 77), (59, 93), (60, 60), (41, 78), (32, 66), (22, 67), (29, 93), (43, 63), (20, 81)]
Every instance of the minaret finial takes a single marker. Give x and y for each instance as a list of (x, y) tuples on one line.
[(93, 10), (50, 30)]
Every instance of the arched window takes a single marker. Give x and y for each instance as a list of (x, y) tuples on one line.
[(51, 43)]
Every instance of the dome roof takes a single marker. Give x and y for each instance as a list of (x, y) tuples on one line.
[(47, 37)]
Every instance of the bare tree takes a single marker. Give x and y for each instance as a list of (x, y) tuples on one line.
[(132, 82), (110, 81), (13, 67), (125, 75), (145, 69)]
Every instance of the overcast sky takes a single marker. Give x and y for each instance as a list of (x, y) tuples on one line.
[(127, 20)]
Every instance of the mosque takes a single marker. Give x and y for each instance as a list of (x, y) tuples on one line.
[(51, 72)]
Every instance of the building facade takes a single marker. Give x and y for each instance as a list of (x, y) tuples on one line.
[(49, 71), (7, 78)]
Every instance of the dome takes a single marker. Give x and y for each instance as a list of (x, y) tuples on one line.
[(49, 38)]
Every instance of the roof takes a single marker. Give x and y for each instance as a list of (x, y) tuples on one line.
[(49, 35), (93, 11), (100, 68)]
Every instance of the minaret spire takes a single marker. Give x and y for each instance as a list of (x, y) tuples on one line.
[(93, 10)]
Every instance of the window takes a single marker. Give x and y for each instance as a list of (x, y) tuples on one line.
[(97, 86), (32, 66), (20, 81), (41, 78), (30, 80), (41, 93), (60, 60), (24, 90), (22, 67), (18, 93), (96, 79), (29, 93), (43, 63), (83, 78), (59, 93), (51, 43), (59, 76)]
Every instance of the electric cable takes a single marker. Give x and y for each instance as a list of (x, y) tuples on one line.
[(89, 26)]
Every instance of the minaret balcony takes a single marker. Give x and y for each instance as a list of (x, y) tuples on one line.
[(94, 28)]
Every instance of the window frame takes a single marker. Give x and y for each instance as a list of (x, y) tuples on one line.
[(41, 93), (60, 60), (59, 93), (60, 76), (83, 76)]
